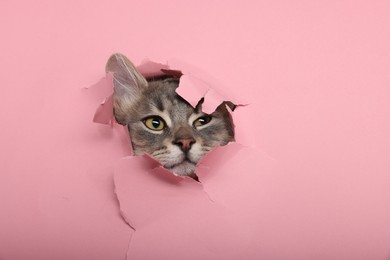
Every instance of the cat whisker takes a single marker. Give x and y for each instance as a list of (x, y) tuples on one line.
[(207, 148), (158, 153)]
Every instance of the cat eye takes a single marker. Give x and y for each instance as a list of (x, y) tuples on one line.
[(154, 123), (203, 120)]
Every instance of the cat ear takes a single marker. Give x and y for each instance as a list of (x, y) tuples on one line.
[(127, 80), (128, 85)]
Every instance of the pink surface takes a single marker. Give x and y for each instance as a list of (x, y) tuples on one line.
[(193, 87), (218, 219), (314, 73)]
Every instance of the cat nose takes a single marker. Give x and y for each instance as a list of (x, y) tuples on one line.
[(184, 143)]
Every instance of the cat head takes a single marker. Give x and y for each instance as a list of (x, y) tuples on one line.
[(161, 123)]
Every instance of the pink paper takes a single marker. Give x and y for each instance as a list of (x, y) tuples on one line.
[(192, 88), (212, 219), (314, 73)]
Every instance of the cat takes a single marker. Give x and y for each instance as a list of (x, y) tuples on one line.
[(161, 123)]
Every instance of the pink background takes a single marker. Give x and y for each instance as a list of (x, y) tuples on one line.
[(316, 76)]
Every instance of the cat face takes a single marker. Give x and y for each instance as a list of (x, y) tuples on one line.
[(163, 124)]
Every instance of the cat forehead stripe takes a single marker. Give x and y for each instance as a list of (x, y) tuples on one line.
[(159, 104)]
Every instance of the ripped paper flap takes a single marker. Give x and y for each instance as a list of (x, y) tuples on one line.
[(191, 87), (183, 219)]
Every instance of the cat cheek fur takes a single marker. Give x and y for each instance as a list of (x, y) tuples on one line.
[(144, 141), (171, 156), (196, 153)]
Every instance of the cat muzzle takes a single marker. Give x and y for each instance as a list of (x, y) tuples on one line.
[(184, 143)]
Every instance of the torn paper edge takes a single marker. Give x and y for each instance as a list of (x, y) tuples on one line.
[(212, 97)]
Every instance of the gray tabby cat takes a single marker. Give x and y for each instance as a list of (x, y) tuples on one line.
[(163, 124)]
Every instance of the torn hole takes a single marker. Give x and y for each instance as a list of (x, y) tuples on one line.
[(181, 127)]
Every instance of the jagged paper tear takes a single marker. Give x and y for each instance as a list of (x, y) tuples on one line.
[(199, 218), (165, 209), (176, 217), (192, 88)]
